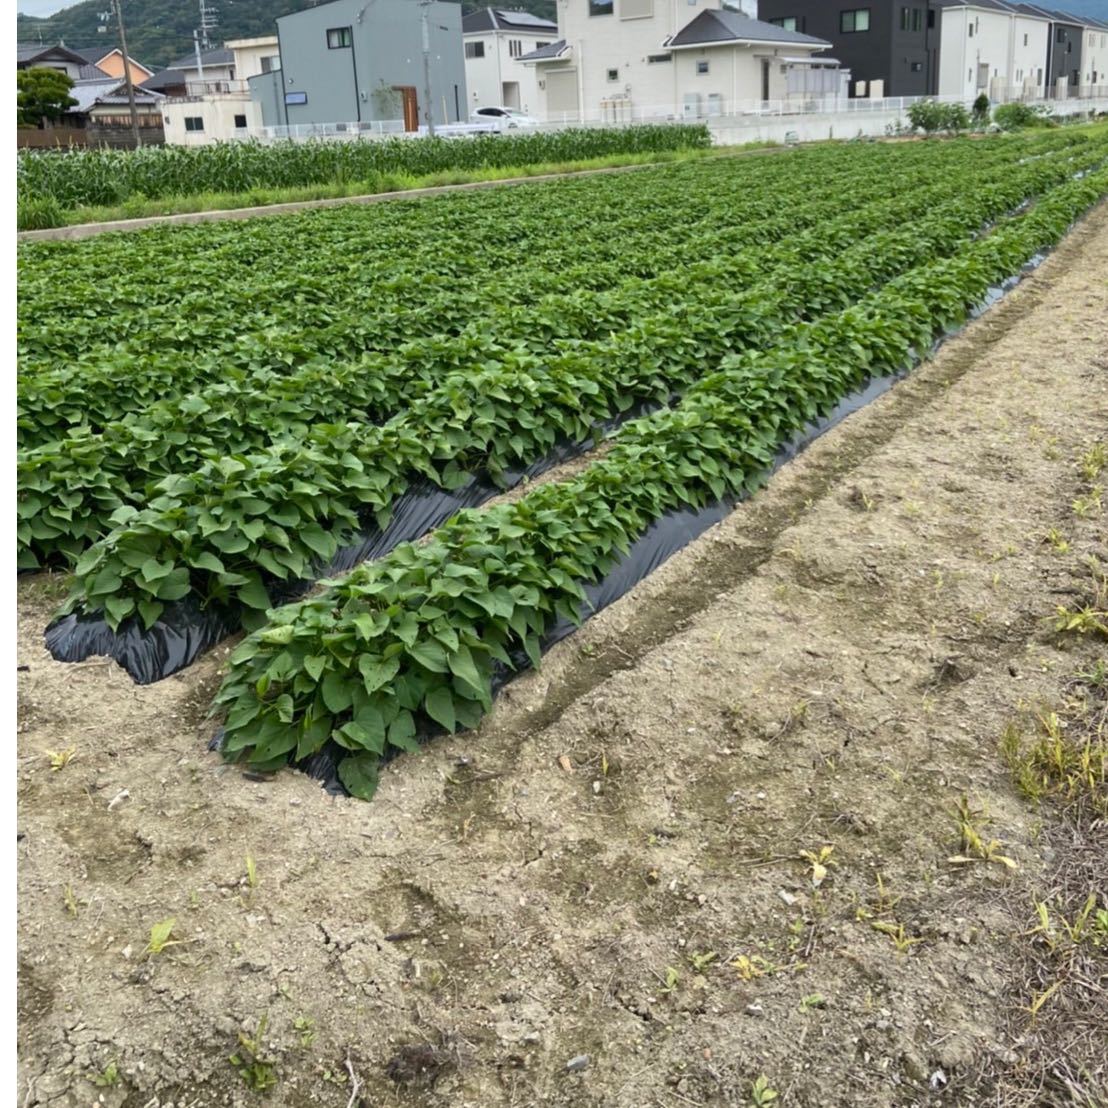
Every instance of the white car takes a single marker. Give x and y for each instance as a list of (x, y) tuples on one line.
[(506, 117)]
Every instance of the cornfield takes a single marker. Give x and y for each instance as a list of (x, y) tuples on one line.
[(75, 178)]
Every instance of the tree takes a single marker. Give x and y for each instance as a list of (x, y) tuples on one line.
[(42, 94)]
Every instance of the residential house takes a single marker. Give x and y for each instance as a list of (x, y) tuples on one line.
[(212, 101), (111, 63), (990, 47), (494, 40), (35, 55), (351, 65), (624, 60), (1004, 49)]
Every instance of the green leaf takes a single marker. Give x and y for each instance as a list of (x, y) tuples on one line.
[(281, 635), (254, 595), (119, 608), (402, 732), (358, 772), (430, 655), (207, 560), (337, 693), (439, 705), (376, 671), (463, 666), (314, 665)]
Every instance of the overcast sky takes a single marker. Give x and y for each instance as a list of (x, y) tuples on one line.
[(41, 7)]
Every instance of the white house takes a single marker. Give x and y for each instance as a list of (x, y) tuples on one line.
[(992, 47), (212, 102), (494, 40), (623, 60)]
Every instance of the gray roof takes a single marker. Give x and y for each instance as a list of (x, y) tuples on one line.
[(500, 19), (163, 79), (726, 26), (1057, 16), (27, 52), (91, 73), (219, 56), (106, 90), (988, 5), (545, 53)]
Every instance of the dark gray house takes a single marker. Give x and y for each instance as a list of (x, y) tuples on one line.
[(1001, 48), (361, 61), (874, 39)]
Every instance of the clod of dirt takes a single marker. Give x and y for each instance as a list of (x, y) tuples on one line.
[(418, 1063)]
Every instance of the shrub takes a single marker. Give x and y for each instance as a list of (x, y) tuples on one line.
[(930, 116), (1014, 117), (981, 110)]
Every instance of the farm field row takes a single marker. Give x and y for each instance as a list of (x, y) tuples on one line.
[(101, 433), (225, 492), (422, 385)]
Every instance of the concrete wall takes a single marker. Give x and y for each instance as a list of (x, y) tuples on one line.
[(348, 84), (817, 127), (486, 77), (1094, 59), (249, 54), (219, 115)]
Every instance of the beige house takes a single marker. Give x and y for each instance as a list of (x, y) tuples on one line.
[(630, 60), (213, 104)]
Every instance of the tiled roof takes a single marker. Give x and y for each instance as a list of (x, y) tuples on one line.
[(726, 26)]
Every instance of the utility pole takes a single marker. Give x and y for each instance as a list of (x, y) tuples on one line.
[(199, 61), (118, 5), (428, 107)]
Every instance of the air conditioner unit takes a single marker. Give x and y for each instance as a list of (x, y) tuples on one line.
[(715, 103), (690, 107)]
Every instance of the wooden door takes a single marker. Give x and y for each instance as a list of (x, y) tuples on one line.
[(410, 106)]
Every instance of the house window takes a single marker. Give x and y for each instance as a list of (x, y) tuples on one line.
[(338, 37), (613, 74), (658, 59), (601, 7), (515, 47), (786, 23), (475, 49), (971, 30), (271, 64), (1024, 40), (702, 69), (1060, 35), (931, 18), (905, 19), (854, 21), (240, 122), (917, 19), (917, 67), (1075, 78), (194, 123)]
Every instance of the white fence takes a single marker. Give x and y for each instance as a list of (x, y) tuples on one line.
[(761, 120)]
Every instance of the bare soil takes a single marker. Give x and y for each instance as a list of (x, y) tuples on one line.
[(613, 866)]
